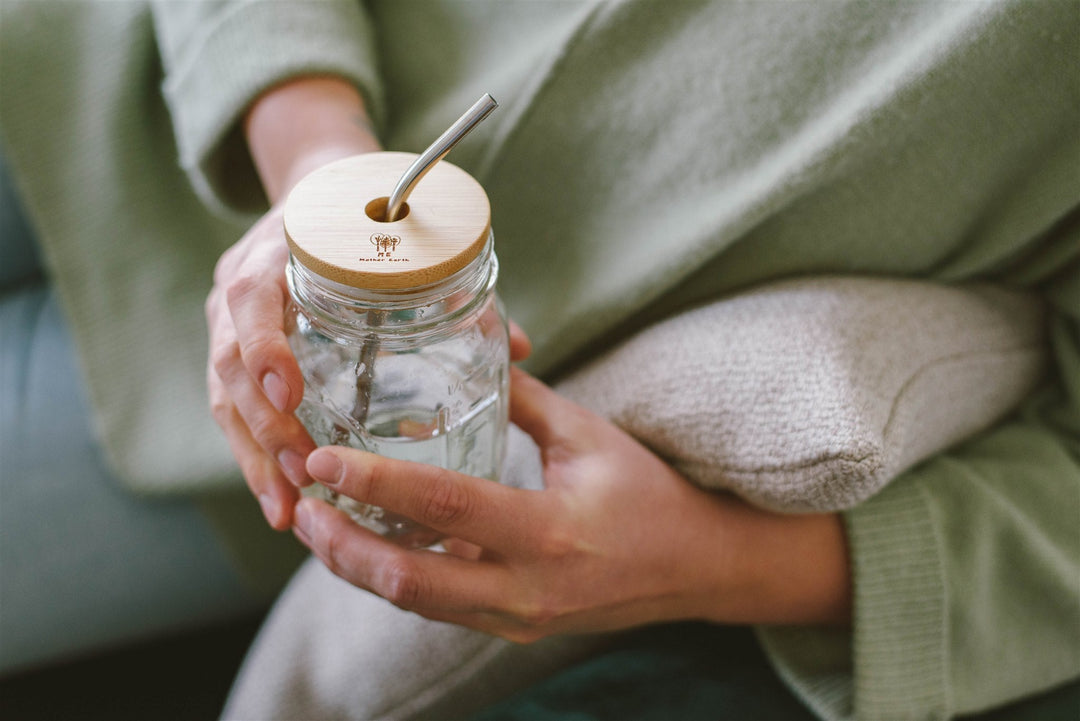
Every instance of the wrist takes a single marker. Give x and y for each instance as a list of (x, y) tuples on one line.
[(779, 569), (301, 124)]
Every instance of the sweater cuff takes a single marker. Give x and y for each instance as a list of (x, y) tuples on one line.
[(247, 50), (893, 664)]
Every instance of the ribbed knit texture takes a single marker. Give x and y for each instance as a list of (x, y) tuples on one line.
[(210, 80), (901, 663)]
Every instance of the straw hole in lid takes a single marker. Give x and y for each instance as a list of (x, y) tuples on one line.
[(376, 210)]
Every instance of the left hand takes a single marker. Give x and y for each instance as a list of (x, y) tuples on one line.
[(253, 379), (616, 539)]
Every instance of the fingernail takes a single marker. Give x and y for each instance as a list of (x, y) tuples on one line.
[(269, 507), (276, 390), (325, 468), (293, 465)]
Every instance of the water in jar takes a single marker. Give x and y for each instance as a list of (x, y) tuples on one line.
[(441, 404)]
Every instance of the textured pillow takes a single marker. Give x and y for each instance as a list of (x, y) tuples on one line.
[(812, 394)]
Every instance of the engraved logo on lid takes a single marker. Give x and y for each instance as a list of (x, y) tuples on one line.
[(384, 243)]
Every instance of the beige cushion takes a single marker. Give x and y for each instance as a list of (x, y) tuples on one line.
[(812, 394)]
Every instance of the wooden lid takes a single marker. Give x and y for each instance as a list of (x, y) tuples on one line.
[(330, 228)]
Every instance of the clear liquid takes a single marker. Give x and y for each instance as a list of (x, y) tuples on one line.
[(472, 445), (438, 399)]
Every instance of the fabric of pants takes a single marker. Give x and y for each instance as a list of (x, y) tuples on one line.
[(331, 651)]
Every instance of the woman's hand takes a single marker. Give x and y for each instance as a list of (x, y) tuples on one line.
[(253, 378), (616, 539)]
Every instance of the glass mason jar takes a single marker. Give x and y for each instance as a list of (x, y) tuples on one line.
[(399, 357)]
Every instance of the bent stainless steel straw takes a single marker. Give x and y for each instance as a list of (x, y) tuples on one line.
[(436, 152), (365, 367)]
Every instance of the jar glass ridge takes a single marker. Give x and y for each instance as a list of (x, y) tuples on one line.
[(346, 310)]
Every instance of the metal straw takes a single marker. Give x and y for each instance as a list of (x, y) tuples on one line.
[(436, 152), (369, 349)]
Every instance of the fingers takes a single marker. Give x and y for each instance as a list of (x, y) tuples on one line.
[(414, 580), (479, 594), (520, 345), (253, 379), (256, 296), (473, 509), (462, 549), (554, 422), (276, 495), (280, 434)]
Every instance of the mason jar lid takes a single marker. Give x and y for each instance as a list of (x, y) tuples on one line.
[(334, 222)]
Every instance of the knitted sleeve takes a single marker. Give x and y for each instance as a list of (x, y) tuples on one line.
[(966, 569), (219, 55)]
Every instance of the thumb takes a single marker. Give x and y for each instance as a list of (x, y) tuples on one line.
[(549, 418)]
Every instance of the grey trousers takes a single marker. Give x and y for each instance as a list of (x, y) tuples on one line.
[(329, 651)]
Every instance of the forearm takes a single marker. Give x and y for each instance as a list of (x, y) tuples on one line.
[(772, 568), (304, 123)]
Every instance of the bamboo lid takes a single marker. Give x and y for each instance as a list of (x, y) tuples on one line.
[(331, 226)]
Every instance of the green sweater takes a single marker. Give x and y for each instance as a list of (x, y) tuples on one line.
[(649, 155)]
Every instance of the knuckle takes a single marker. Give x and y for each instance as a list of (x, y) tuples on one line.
[(537, 612), (333, 552), (224, 266), (402, 584), (260, 347), (264, 428), (210, 305), (448, 502), (221, 409), (556, 543), (240, 288), (367, 480), (224, 358)]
